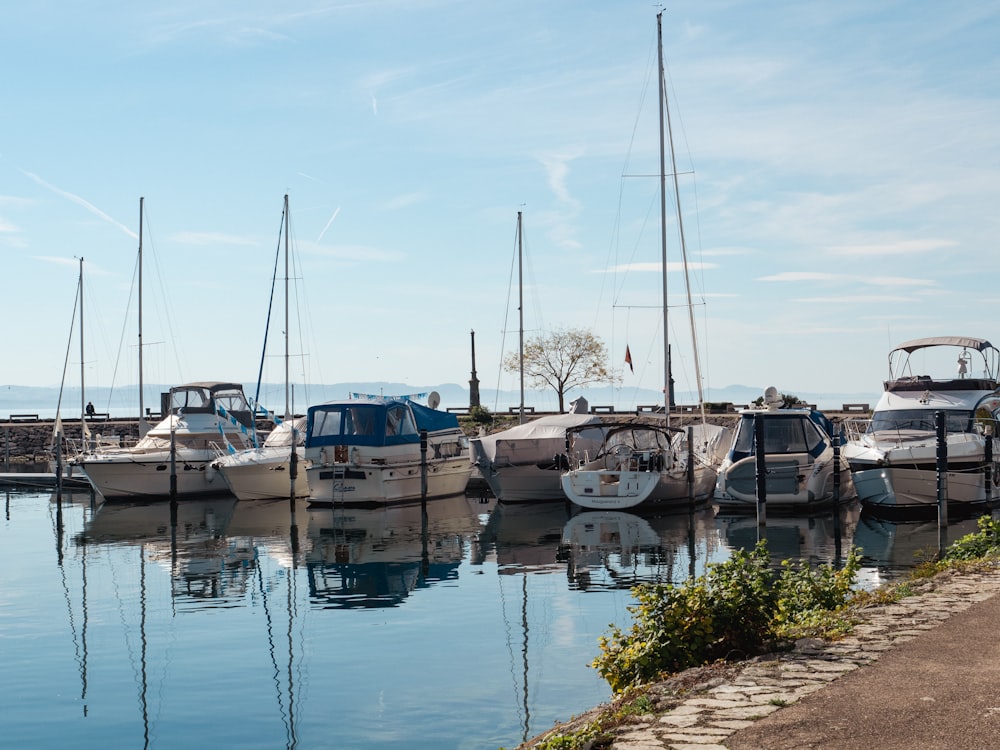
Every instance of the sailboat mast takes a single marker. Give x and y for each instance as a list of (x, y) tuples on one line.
[(663, 220), (142, 413), (680, 228), (520, 312), (83, 395), (288, 412)]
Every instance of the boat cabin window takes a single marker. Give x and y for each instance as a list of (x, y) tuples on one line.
[(399, 421), (920, 420), (327, 422), (790, 434), (189, 398), (231, 400), (349, 420)]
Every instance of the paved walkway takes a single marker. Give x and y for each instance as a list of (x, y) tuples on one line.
[(921, 674)]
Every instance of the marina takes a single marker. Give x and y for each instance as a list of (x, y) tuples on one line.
[(457, 623)]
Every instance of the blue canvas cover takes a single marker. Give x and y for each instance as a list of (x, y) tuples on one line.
[(374, 422)]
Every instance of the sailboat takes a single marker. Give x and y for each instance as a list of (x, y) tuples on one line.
[(521, 463), (266, 471), (641, 461), (64, 472)]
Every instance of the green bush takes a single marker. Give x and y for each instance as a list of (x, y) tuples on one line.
[(735, 609), (982, 543)]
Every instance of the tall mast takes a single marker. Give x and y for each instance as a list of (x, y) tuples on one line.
[(665, 109), (663, 219), (142, 412), (288, 412), (83, 396), (520, 312)]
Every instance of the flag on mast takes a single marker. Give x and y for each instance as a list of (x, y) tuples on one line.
[(628, 358)]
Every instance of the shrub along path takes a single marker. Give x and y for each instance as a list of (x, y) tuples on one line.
[(920, 672)]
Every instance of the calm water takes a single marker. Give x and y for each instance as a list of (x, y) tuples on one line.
[(225, 625)]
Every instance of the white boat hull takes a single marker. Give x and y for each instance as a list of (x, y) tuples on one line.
[(793, 481), (263, 474), (387, 483), (148, 476), (621, 490)]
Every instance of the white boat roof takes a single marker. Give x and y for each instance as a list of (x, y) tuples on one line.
[(552, 427), (963, 341)]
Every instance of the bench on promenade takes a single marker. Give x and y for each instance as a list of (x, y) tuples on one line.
[(457, 409), (648, 408), (517, 410), (102, 415), (856, 408), (23, 417), (602, 410)]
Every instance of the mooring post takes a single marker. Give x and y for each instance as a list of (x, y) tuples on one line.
[(941, 429), (690, 468), (836, 499), (988, 464), (761, 467), (423, 464)]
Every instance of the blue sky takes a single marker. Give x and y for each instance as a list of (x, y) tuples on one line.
[(838, 166)]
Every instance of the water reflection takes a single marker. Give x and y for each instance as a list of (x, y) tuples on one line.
[(813, 538), (613, 549), (376, 557)]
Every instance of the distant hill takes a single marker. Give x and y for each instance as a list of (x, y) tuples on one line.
[(124, 401)]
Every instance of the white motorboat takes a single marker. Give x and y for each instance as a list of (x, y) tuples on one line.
[(265, 472), (173, 459), (894, 454), (524, 463), (640, 462), (384, 450), (798, 459)]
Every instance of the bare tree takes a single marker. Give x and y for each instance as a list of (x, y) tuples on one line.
[(562, 360)]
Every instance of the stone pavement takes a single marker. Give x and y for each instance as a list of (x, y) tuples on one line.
[(921, 673)]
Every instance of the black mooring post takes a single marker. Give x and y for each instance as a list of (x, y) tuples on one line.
[(761, 467), (690, 467), (941, 429), (173, 464), (836, 499), (988, 465), (423, 464)]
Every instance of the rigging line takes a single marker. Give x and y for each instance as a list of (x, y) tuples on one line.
[(162, 300), (506, 320), (270, 307), (121, 339), (69, 345)]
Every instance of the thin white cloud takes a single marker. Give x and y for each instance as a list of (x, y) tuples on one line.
[(797, 276), (81, 202), (901, 247), (7, 227), (328, 223)]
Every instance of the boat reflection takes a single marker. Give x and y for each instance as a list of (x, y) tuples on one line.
[(897, 545), (619, 550), (813, 538), (375, 557), (187, 538), (524, 536)]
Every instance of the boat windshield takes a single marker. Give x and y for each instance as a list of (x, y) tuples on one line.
[(782, 434), (920, 420)]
